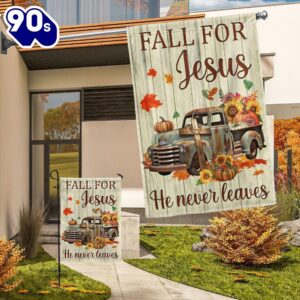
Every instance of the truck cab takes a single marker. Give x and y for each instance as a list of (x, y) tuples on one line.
[(205, 133)]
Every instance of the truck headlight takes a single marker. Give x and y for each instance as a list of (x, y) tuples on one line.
[(181, 148)]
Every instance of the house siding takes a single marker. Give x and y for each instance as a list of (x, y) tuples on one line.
[(14, 139)]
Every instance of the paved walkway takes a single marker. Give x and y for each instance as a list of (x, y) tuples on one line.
[(130, 283)]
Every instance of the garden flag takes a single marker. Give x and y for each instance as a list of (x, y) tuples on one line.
[(201, 116), (90, 218)]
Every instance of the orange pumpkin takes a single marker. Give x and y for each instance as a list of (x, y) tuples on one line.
[(163, 125), (248, 117), (72, 222), (225, 174)]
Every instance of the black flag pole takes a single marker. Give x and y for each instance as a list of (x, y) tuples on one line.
[(57, 179)]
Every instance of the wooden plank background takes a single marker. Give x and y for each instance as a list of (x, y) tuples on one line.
[(174, 99)]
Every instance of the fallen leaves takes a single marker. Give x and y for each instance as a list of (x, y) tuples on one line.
[(152, 72), (150, 101), (197, 268), (150, 232), (168, 78), (147, 161), (181, 174), (67, 211), (176, 115), (43, 292), (23, 292)]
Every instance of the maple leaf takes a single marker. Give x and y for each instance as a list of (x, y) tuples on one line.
[(181, 174), (211, 93), (258, 172), (168, 78), (77, 202), (70, 198), (150, 101), (258, 161), (152, 72), (68, 211)]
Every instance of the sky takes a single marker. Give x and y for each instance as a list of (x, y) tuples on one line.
[(200, 5)]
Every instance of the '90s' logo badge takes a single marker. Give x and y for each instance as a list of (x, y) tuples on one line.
[(34, 24)]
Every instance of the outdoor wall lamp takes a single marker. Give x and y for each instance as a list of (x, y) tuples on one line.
[(5, 43)]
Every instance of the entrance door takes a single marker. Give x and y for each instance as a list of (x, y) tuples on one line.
[(55, 145)]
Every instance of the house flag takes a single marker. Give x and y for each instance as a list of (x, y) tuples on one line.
[(201, 116), (90, 218)]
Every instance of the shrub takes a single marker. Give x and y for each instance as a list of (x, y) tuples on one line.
[(10, 255), (248, 236), (30, 224), (288, 205)]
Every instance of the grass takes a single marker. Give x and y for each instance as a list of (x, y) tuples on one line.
[(66, 163), (175, 261), (37, 273)]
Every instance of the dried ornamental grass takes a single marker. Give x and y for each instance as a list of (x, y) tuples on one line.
[(31, 221), (247, 236), (10, 256)]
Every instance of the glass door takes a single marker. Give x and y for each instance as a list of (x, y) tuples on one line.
[(55, 145)]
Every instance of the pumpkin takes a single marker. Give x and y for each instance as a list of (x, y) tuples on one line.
[(72, 222), (248, 117), (225, 174), (163, 125)]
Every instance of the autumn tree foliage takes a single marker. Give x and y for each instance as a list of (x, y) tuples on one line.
[(10, 256), (247, 236)]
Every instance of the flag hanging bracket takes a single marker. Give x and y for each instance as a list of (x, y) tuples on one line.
[(263, 15)]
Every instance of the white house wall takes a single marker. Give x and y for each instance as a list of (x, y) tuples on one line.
[(14, 139), (278, 34)]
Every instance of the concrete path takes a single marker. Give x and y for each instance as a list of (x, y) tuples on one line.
[(130, 283)]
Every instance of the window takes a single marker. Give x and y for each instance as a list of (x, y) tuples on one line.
[(55, 145), (108, 103), (217, 119), (55, 116)]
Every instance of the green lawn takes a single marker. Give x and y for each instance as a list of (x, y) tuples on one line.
[(37, 273), (175, 261), (66, 163)]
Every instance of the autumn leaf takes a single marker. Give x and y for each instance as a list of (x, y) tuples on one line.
[(211, 93), (259, 161), (248, 84), (150, 101), (168, 78), (22, 292), (77, 202), (196, 268), (147, 161), (43, 292), (68, 211), (78, 244), (181, 174), (176, 115), (152, 72), (70, 198), (258, 172)]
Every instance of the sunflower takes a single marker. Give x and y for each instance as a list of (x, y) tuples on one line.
[(232, 108), (229, 160), (206, 176), (90, 245), (254, 106), (98, 239), (221, 160)]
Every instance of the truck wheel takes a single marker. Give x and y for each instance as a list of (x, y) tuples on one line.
[(86, 240), (194, 168), (113, 236), (164, 173), (253, 150)]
